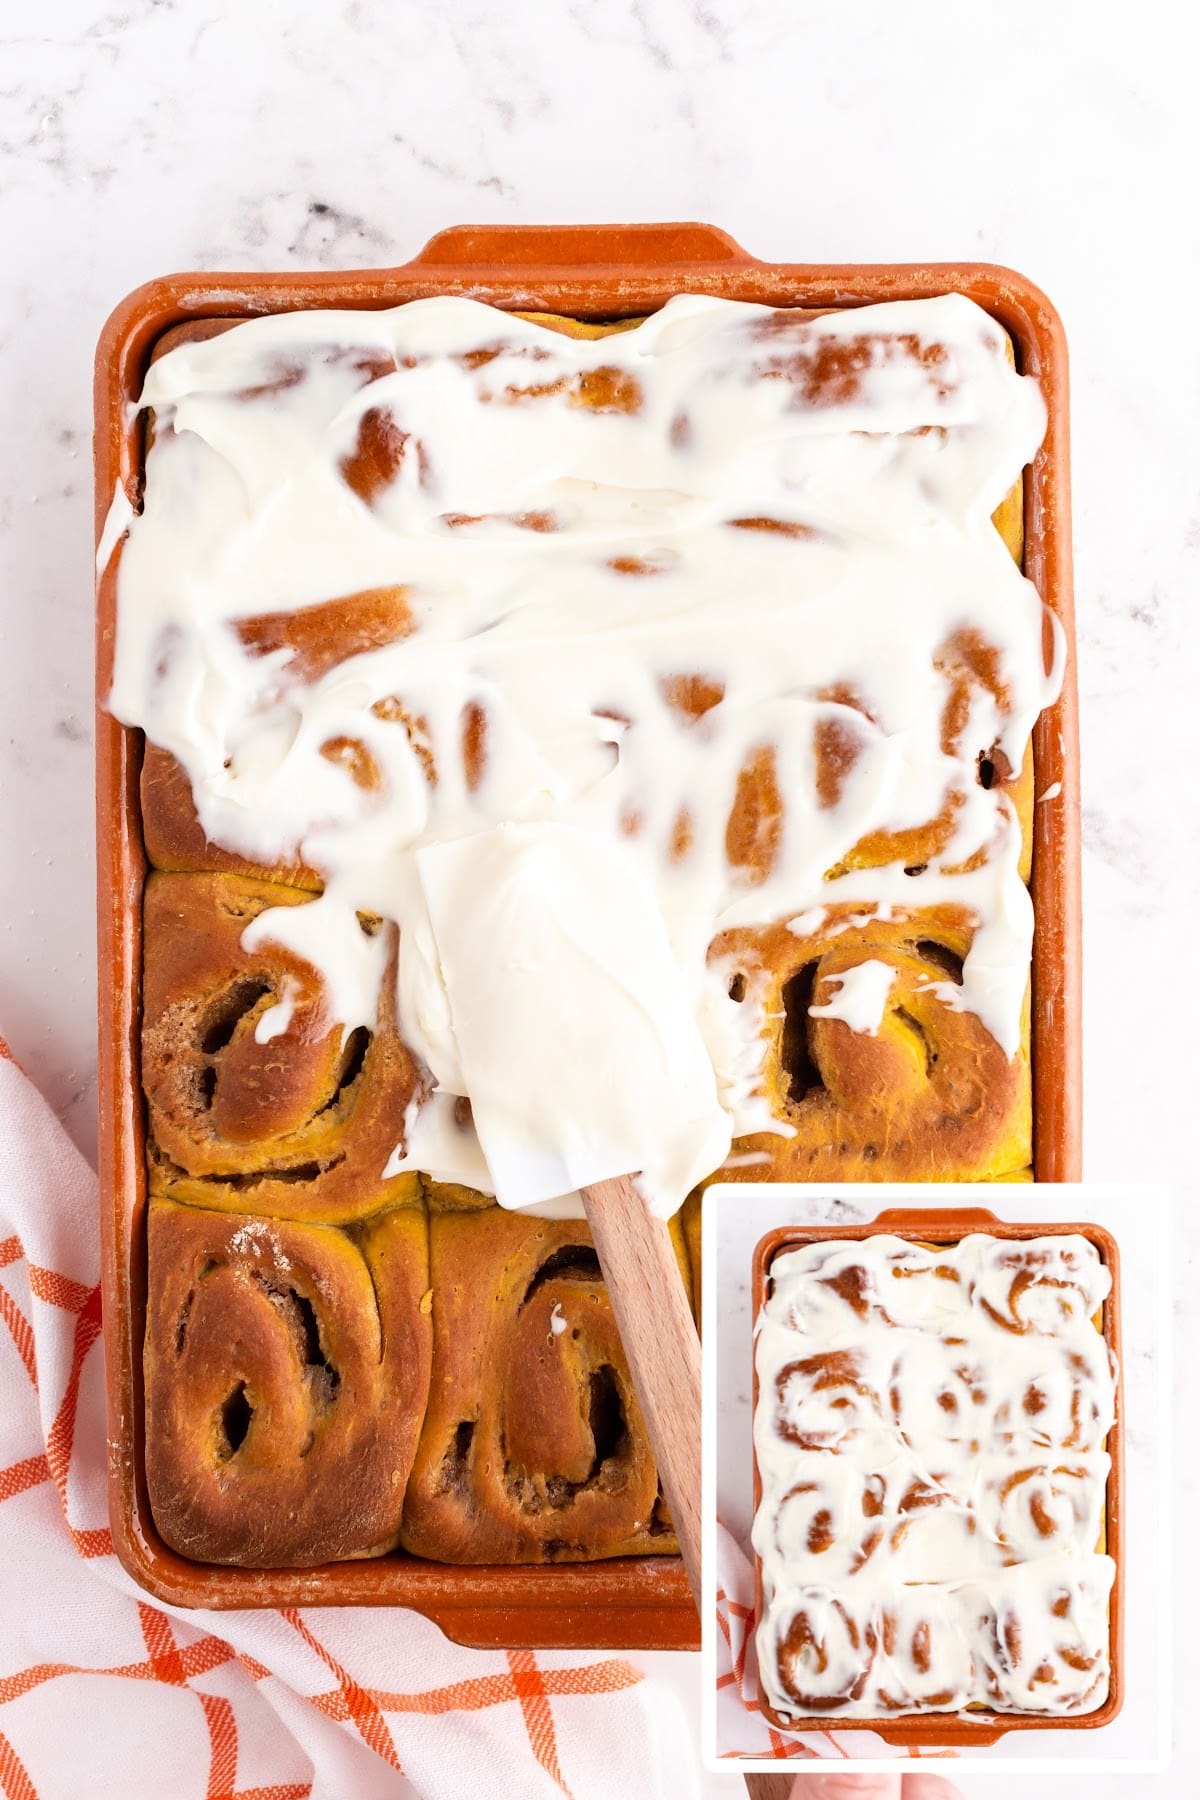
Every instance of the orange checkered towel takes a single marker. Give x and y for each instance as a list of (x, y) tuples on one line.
[(103, 1694)]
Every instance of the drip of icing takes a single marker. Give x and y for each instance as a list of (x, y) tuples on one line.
[(806, 923), (275, 1021), (762, 531), (861, 997), (930, 1436), (439, 1141), (733, 1031), (116, 524)]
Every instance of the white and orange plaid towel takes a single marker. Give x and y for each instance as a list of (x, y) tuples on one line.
[(103, 1694)]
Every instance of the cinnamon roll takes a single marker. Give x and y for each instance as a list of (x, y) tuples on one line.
[(257, 1098), (286, 1368), (300, 646), (871, 1061), (533, 1447)]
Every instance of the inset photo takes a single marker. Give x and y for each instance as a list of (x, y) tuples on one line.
[(936, 1476)]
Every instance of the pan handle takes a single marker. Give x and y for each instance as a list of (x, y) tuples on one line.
[(515, 247), (948, 1732), (970, 1218)]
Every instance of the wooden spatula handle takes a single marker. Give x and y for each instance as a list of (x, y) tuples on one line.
[(659, 1335)]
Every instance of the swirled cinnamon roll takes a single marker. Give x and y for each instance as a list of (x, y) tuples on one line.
[(822, 1655), (1042, 1643), (286, 1369), (533, 1447), (930, 1437), (258, 1099), (870, 1058)]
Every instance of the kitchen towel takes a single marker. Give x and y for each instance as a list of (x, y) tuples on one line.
[(104, 1693)]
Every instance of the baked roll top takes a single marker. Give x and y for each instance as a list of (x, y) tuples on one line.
[(533, 1447), (872, 1063), (258, 1099), (287, 1369)]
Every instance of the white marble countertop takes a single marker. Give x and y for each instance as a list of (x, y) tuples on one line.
[(140, 136)]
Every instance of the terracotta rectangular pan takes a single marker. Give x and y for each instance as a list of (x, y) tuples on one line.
[(947, 1225), (590, 272)]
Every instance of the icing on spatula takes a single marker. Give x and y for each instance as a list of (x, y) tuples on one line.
[(576, 1038), (586, 1069)]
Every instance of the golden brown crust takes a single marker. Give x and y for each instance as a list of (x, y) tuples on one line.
[(315, 639), (579, 328), (690, 1221), (286, 1370), (533, 1447), (300, 1126)]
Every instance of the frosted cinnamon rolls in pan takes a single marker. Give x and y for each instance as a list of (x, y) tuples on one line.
[(733, 591), (930, 1436)]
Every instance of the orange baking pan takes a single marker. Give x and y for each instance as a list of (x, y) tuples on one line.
[(947, 1225), (600, 272)]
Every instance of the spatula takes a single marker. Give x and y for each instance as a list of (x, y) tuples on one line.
[(587, 1072), (659, 1335)]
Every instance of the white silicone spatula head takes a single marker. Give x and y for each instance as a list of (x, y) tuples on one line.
[(578, 1045)]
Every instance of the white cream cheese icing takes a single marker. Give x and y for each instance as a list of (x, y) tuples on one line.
[(930, 1436), (117, 522), (764, 512), (275, 1021), (860, 997)]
